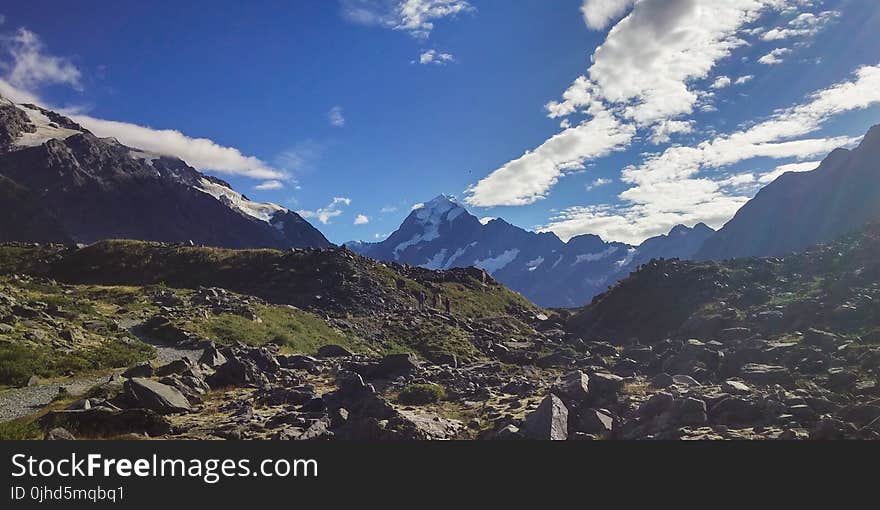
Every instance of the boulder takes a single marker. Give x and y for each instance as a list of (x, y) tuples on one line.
[(822, 339), (394, 365), (102, 422), (735, 388), (735, 411), (605, 386), (573, 388), (656, 404), (691, 412), (212, 357), (841, 379), (59, 434), (662, 380), (595, 421), (333, 351), (177, 366), (156, 396), (548, 422), (766, 374), (236, 372), (143, 369)]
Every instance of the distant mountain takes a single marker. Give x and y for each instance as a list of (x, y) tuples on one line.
[(798, 210), (84, 188), (540, 266)]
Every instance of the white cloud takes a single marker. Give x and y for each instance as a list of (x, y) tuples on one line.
[(325, 214), (487, 219), (598, 14), (335, 116), (361, 219), (388, 209), (201, 153), (597, 183), (416, 17), (774, 57), (771, 176), (742, 80), (527, 179), (667, 188), (640, 78), (31, 68), (721, 82), (269, 185), (435, 57), (806, 24)]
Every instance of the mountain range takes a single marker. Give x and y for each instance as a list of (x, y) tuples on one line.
[(59, 182), (442, 234)]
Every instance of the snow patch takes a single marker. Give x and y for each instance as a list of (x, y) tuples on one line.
[(235, 200), (630, 254), (430, 216), (592, 257), (535, 264), (436, 262), (494, 264), (46, 129), (458, 253)]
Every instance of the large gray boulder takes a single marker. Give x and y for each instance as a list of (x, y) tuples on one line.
[(156, 396), (548, 422), (573, 388)]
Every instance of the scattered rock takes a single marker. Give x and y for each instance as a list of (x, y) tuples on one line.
[(156, 396), (548, 422)]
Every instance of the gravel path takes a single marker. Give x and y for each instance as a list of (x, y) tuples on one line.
[(19, 402)]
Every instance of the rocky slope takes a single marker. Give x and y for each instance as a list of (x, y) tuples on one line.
[(750, 349), (86, 188), (798, 210), (543, 268)]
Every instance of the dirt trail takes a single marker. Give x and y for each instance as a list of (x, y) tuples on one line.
[(19, 402)]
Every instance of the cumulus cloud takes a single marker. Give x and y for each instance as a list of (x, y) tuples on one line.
[(742, 80), (677, 185), (806, 24), (641, 77), (774, 57), (597, 183), (361, 219), (435, 57), (415, 17), (325, 214), (269, 185), (598, 14), (721, 82), (335, 117)]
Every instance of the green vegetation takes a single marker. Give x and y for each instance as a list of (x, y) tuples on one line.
[(294, 329), (421, 394), (18, 362), (19, 430)]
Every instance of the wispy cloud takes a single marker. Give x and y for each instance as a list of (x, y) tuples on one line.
[(269, 185), (29, 67), (325, 214), (415, 17), (361, 219), (335, 117)]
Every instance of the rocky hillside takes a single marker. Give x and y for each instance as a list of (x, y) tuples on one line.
[(87, 188), (540, 266), (798, 210)]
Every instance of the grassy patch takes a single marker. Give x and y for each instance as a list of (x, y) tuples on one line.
[(19, 362), (294, 329), (19, 430), (421, 394)]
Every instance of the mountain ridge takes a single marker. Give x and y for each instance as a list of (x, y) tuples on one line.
[(97, 188)]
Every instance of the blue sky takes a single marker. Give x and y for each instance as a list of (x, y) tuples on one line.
[(637, 115)]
